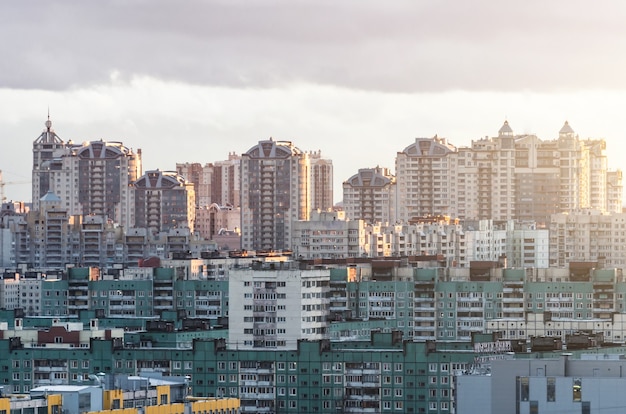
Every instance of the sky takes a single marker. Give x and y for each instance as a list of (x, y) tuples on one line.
[(357, 79)]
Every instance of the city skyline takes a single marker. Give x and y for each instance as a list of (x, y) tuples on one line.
[(194, 86)]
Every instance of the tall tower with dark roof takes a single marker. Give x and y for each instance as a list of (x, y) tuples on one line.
[(275, 191), (46, 148)]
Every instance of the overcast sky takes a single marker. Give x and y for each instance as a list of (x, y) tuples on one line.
[(359, 80)]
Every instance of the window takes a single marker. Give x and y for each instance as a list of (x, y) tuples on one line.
[(524, 388), (577, 389), (551, 389)]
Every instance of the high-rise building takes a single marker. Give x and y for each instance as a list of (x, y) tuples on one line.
[(226, 185), (93, 179), (50, 230), (506, 177), (370, 195), (588, 236), (614, 191), (216, 182), (426, 179), (328, 234), (275, 191), (164, 200), (321, 182), (196, 174), (46, 148)]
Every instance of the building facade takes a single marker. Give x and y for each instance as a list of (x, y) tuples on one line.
[(46, 150), (164, 200), (95, 179), (370, 195), (506, 177), (328, 235), (275, 192)]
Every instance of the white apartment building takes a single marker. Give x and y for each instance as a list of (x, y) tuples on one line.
[(30, 295), (329, 235), (370, 195), (527, 246), (588, 236), (506, 177), (614, 190), (10, 292), (274, 308)]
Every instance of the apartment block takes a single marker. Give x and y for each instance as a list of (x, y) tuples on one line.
[(46, 150), (95, 178), (506, 177), (321, 181), (275, 308), (426, 179), (370, 195), (164, 200), (588, 236), (275, 192), (328, 234), (214, 183)]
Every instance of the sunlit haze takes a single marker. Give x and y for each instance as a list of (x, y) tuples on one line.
[(358, 80)]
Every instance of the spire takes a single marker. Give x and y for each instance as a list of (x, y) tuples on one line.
[(566, 130), (48, 122), (505, 130)]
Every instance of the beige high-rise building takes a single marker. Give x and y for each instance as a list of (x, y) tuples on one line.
[(321, 182), (426, 176), (614, 191), (226, 183), (370, 195), (216, 182), (506, 177)]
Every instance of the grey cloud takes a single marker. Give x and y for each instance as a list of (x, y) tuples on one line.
[(401, 46)]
